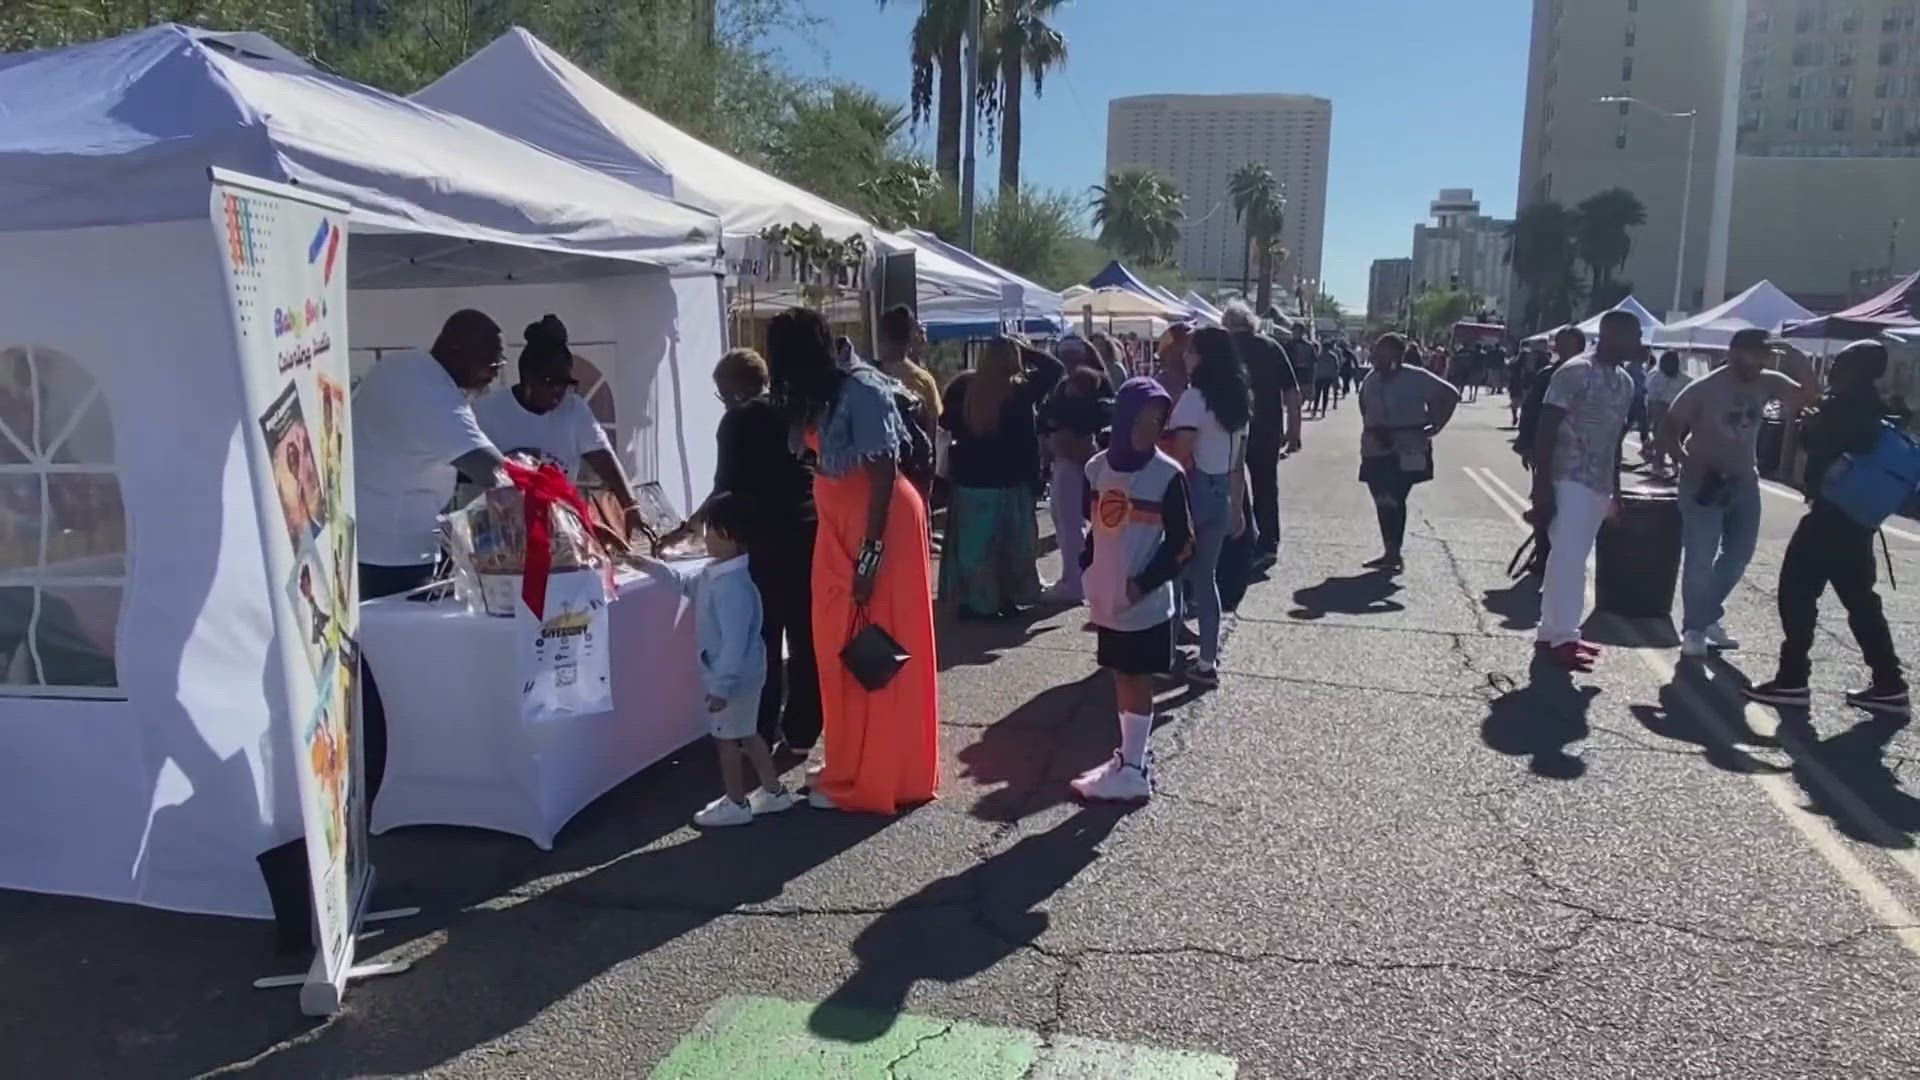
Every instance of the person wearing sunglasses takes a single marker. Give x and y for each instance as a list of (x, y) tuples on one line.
[(543, 416)]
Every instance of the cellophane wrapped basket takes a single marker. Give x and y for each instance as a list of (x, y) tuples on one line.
[(487, 539)]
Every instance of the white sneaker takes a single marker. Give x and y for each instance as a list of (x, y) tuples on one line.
[(1718, 637), (820, 800), (1693, 644), (762, 801), (722, 813), (1116, 781)]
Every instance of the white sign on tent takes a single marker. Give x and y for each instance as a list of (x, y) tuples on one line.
[(284, 259)]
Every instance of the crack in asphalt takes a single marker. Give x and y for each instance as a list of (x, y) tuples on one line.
[(921, 1043)]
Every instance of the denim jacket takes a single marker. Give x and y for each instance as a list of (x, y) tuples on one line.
[(726, 623), (863, 425)]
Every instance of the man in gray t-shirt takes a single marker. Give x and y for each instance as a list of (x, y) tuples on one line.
[(1713, 432)]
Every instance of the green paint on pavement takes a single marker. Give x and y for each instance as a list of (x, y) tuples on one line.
[(770, 1039)]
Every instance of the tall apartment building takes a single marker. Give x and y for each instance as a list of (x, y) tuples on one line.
[(1389, 283), (1811, 108), (1463, 249), (1198, 140)]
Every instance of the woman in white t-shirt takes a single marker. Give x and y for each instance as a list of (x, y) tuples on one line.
[(543, 417), (1209, 425)]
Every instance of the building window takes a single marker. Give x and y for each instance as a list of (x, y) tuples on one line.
[(1620, 141), (1883, 87), (63, 530), (1843, 87), (1754, 85), (1752, 118), (1842, 118), (1629, 33), (1899, 17), (1889, 53), (1760, 21), (1633, 5), (1843, 54), (1809, 54), (1626, 70)]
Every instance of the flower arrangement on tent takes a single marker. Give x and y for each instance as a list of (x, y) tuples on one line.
[(824, 268)]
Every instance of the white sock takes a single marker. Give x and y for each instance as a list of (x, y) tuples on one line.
[(1134, 730)]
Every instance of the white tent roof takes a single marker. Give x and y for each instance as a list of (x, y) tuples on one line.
[(121, 132), (1202, 308), (1116, 302), (1762, 307), (1649, 326), (520, 86), (1036, 300)]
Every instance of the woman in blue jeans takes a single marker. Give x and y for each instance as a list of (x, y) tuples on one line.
[(1209, 426)]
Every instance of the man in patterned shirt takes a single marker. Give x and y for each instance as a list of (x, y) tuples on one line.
[(1576, 478)]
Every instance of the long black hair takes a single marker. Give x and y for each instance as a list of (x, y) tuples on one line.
[(1221, 378), (804, 372)]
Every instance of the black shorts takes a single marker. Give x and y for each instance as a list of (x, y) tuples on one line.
[(1137, 652)]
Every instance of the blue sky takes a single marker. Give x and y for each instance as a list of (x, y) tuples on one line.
[(1425, 95)]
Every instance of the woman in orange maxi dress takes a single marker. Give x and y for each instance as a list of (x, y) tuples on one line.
[(882, 750)]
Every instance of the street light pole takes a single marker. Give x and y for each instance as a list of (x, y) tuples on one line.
[(1692, 117)]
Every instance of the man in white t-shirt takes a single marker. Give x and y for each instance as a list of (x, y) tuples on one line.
[(413, 435), (543, 417)]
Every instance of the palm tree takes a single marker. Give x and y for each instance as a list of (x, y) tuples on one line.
[(1603, 235), (937, 53), (1266, 218), (1019, 44), (1138, 215), (1541, 249), (1251, 187)]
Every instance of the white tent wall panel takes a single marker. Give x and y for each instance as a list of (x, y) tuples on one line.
[(165, 797)]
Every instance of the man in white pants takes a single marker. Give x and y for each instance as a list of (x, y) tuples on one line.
[(1576, 478)]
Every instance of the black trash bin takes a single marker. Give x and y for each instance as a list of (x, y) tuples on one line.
[(1637, 557)]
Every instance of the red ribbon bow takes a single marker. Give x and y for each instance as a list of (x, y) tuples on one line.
[(540, 489)]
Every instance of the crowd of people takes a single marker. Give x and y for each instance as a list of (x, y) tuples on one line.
[(815, 614)]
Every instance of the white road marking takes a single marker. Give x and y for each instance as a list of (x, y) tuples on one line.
[(1780, 789), (1782, 491)]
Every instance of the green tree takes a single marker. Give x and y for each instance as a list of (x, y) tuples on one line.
[(848, 145), (1541, 248), (936, 52), (1138, 215), (1019, 44), (1326, 307), (1436, 310), (1604, 234), (1031, 232)]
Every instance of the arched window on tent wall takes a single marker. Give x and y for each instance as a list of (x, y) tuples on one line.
[(63, 529)]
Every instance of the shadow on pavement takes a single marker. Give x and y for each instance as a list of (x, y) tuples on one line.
[(977, 642), (1540, 720), (175, 990), (1007, 893), (1678, 717), (1517, 605), (1856, 758), (1361, 594), (1630, 633)]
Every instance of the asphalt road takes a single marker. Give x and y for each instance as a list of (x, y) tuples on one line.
[(1384, 848)]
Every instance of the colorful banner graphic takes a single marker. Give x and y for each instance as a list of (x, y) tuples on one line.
[(284, 255)]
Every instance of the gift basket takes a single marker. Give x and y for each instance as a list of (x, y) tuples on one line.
[(507, 542)]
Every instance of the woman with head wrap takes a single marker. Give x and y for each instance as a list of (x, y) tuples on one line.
[(1141, 539), (1830, 548)]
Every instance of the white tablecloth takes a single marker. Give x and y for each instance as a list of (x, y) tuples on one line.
[(459, 752)]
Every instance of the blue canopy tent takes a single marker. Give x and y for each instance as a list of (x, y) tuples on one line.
[(1117, 276)]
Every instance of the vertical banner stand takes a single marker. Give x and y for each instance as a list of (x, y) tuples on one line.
[(283, 257)]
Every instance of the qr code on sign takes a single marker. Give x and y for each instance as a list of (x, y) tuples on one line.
[(566, 676)]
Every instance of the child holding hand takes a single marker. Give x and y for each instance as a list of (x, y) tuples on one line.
[(733, 666), (1142, 537)]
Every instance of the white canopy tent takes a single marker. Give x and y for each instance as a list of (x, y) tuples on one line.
[(521, 86), (1206, 311), (145, 766), (1762, 307), (1649, 326), (955, 299), (1036, 308)]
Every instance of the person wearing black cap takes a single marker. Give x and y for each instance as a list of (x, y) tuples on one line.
[(541, 415), (1830, 548)]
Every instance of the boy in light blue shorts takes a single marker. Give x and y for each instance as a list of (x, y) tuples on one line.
[(733, 666)]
